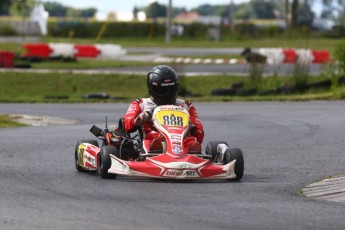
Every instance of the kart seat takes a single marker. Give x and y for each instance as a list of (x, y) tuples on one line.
[(156, 146)]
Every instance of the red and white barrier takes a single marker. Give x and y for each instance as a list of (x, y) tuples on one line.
[(305, 56), (62, 49), (110, 51), (86, 51), (290, 56), (302, 56), (7, 59), (274, 55), (101, 51), (40, 50), (321, 56)]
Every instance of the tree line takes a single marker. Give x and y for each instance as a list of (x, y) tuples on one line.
[(295, 12), (55, 9)]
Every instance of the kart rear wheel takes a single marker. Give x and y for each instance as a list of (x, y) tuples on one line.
[(76, 158), (211, 148), (235, 154), (105, 161)]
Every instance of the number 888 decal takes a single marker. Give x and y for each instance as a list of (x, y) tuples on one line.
[(173, 120)]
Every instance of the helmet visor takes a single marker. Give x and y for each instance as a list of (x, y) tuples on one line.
[(164, 94)]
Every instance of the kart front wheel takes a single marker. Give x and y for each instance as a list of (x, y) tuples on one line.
[(77, 158), (105, 161), (235, 154), (211, 148)]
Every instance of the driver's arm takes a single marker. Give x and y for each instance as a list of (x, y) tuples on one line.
[(132, 112), (198, 130)]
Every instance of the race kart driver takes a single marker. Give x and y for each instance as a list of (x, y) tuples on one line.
[(163, 86)]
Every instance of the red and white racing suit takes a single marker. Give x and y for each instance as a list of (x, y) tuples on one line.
[(143, 104)]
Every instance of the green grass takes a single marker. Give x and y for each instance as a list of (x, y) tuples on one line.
[(49, 87), (11, 46), (6, 121), (33, 87), (87, 64)]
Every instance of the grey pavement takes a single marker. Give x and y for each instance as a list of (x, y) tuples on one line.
[(286, 145)]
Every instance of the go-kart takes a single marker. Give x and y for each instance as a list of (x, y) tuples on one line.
[(120, 153)]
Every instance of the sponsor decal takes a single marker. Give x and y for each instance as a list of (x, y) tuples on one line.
[(175, 137), (131, 108), (81, 150), (91, 160), (179, 109), (167, 84), (173, 128), (92, 149), (177, 149), (150, 103), (180, 173), (176, 140), (176, 143)]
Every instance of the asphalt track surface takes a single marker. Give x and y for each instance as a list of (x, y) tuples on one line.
[(286, 146), (185, 51)]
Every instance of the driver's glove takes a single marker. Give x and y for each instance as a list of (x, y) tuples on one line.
[(192, 130), (143, 117)]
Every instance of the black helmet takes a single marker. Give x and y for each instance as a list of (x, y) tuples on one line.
[(163, 85)]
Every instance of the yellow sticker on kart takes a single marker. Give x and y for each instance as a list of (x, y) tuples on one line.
[(172, 118), (81, 150)]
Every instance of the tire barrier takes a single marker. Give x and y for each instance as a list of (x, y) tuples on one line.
[(237, 89), (96, 96), (50, 50)]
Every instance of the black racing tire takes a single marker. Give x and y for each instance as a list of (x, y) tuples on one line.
[(232, 154), (105, 161), (211, 148), (223, 92), (77, 166)]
